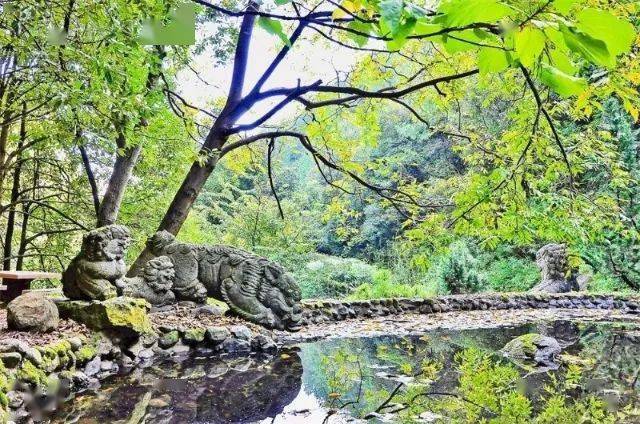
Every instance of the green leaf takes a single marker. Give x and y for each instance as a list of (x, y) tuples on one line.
[(529, 43), (281, 2), (492, 60), (595, 51), (616, 33), (363, 27), (425, 28), (563, 6), (561, 60), (563, 84), (465, 12), (391, 13), (402, 33), (465, 40), (274, 27)]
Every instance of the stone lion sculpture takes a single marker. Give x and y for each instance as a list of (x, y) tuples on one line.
[(553, 262), (255, 288), (154, 284), (96, 272)]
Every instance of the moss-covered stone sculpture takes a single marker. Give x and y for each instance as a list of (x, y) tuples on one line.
[(98, 269), (154, 285), (255, 288)]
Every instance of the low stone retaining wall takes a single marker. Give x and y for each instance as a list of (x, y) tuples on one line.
[(321, 311)]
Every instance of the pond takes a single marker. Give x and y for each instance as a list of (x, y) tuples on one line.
[(442, 376)]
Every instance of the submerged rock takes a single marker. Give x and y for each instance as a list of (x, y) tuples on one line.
[(32, 311), (533, 351)]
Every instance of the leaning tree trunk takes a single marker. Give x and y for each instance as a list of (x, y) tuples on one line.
[(197, 176), (180, 207)]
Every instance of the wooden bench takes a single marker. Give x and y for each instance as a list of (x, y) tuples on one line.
[(15, 282)]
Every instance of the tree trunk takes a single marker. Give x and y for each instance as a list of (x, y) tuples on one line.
[(26, 213), (15, 191), (179, 208), (90, 175), (122, 170), (217, 137)]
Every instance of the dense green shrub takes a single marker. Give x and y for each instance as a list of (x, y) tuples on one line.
[(385, 286), (459, 271), (512, 274)]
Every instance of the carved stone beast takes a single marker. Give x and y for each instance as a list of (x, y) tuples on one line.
[(255, 288)]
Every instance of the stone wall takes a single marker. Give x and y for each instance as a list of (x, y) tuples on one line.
[(34, 379), (317, 312)]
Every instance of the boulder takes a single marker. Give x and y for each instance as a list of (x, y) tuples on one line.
[(533, 351), (123, 314), (32, 311)]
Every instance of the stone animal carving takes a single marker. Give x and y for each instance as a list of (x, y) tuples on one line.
[(96, 271), (154, 284), (254, 288), (554, 267)]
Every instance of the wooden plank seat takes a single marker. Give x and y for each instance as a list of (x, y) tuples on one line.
[(15, 282)]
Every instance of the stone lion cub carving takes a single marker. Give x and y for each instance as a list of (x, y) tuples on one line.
[(154, 285), (254, 287), (96, 272)]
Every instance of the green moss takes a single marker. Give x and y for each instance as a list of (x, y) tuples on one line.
[(132, 315), (4, 401), (169, 339), (194, 335), (116, 313), (86, 353), (31, 374), (529, 343)]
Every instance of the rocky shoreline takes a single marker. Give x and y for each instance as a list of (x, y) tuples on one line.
[(36, 378)]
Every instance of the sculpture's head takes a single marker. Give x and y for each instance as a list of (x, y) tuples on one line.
[(106, 243), (159, 241), (282, 295), (159, 274)]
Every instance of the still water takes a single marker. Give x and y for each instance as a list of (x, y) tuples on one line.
[(348, 380)]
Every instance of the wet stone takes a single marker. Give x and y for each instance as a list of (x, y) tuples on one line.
[(232, 345), (241, 332), (93, 366), (217, 335), (11, 359)]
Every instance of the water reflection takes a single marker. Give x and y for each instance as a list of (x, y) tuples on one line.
[(194, 390), (353, 378)]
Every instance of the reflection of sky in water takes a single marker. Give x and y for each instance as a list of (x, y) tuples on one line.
[(305, 408), (294, 388)]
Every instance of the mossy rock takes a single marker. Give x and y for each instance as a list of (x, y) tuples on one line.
[(85, 354), (194, 335), (169, 339), (118, 313), (532, 351), (31, 374)]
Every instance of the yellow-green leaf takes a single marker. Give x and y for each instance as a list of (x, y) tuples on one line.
[(492, 60), (595, 51), (563, 84), (465, 12), (529, 43), (616, 33)]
